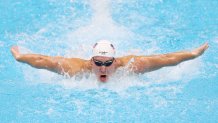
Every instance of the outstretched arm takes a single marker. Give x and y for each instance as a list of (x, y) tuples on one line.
[(142, 64), (57, 64)]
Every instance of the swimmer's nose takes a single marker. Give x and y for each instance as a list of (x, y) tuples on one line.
[(102, 68)]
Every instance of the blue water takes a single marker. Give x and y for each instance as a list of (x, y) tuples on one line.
[(184, 93)]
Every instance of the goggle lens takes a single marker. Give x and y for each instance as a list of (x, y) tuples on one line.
[(100, 63)]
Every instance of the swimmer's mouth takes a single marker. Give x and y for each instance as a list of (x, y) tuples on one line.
[(103, 78)]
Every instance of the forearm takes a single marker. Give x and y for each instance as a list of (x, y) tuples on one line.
[(183, 56), (37, 61), (176, 58)]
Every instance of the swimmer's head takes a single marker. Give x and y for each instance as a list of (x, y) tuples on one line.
[(103, 61)]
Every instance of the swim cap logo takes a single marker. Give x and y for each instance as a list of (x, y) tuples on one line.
[(103, 52)]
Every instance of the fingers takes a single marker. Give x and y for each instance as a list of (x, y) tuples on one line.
[(15, 51), (204, 47), (14, 48)]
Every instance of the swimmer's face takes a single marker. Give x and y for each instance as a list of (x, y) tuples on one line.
[(103, 67)]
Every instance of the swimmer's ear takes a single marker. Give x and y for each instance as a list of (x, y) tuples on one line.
[(115, 61)]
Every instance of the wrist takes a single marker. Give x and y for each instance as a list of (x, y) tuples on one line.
[(195, 54), (18, 57)]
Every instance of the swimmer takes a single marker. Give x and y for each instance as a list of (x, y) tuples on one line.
[(103, 62)]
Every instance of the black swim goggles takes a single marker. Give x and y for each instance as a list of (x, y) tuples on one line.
[(100, 63)]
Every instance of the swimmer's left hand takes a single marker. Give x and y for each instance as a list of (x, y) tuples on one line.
[(200, 50)]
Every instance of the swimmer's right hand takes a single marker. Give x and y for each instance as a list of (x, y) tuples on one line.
[(200, 50), (15, 52)]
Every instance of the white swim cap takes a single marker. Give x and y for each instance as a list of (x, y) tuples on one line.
[(103, 48)]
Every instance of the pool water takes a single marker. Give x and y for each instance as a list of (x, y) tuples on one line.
[(185, 93)]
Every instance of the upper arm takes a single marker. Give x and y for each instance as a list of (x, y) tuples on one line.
[(149, 63)]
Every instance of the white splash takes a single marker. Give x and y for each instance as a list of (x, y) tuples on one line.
[(101, 26)]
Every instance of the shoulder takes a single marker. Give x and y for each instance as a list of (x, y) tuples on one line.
[(77, 65), (133, 62), (74, 63), (123, 61), (85, 64)]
